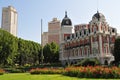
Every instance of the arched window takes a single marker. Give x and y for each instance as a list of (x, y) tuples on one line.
[(113, 30), (101, 28), (73, 52), (112, 50), (82, 51), (85, 51), (76, 52), (89, 30), (82, 32), (95, 29), (106, 49), (76, 34), (88, 51)]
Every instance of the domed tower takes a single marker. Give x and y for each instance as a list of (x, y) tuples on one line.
[(98, 23), (100, 38), (66, 28), (98, 17), (66, 21)]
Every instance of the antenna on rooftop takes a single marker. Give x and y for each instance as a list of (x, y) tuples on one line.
[(97, 5)]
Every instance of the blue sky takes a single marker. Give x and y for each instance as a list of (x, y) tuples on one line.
[(30, 13)]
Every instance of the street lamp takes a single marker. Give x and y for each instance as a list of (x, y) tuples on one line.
[(42, 56)]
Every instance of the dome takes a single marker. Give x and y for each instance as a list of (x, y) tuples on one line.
[(66, 20), (98, 16)]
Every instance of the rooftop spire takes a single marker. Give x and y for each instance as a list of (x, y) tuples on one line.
[(66, 20), (98, 15), (65, 14), (97, 11), (97, 6)]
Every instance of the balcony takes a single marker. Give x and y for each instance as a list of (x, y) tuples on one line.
[(107, 55)]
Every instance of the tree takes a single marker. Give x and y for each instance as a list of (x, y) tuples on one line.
[(28, 52), (8, 48), (46, 52), (20, 51), (54, 48), (51, 53), (117, 50)]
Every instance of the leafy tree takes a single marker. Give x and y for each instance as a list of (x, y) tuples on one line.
[(8, 47), (47, 54), (28, 52), (54, 51), (51, 52), (117, 50), (16, 50), (36, 52)]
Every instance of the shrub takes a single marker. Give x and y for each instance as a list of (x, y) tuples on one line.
[(2, 71), (86, 62), (81, 72), (90, 62), (93, 72), (70, 71), (16, 71), (45, 71), (13, 70)]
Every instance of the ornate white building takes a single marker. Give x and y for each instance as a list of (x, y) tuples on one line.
[(93, 40)]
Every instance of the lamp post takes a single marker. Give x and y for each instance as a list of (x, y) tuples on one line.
[(42, 57), (68, 50)]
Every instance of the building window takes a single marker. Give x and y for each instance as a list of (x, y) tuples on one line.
[(73, 53), (88, 51), (76, 34), (95, 51), (84, 32), (104, 49), (72, 35), (95, 29), (113, 30), (76, 52), (89, 30), (80, 33), (112, 50), (68, 37), (82, 52)]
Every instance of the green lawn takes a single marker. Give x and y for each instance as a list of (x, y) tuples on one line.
[(27, 76)]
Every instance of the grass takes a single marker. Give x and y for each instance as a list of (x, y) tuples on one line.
[(27, 76)]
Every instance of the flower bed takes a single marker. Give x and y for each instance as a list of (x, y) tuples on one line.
[(82, 72), (2, 71), (46, 71), (93, 72)]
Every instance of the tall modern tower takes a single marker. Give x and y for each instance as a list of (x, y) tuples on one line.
[(9, 20)]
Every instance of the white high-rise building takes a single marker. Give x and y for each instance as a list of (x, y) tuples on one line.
[(9, 20)]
